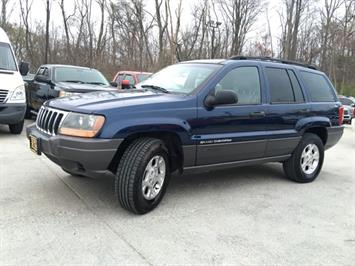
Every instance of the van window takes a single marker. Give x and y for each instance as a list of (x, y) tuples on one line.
[(318, 87), (7, 60), (280, 85), (245, 82)]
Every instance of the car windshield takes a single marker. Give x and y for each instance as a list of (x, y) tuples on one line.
[(7, 59), (180, 78), (79, 75), (142, 77)]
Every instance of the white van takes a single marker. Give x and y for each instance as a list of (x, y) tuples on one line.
[(12, 90)]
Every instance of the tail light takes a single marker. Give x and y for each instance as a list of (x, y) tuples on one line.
[(353, 111), (341, 115)]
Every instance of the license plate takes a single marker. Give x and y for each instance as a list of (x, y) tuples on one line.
[(34, 145)]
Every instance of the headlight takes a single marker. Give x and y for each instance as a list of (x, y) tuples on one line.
[(67, 93), (81, 125), (18, 95)]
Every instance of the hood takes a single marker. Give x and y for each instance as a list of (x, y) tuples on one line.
[(83, 88), (10, 80), (97, 102)]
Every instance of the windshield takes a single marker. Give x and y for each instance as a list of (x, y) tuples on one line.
[(142, 77), (180, 78), (7, 60), (79, 75)]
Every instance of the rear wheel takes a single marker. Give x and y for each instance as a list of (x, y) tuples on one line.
[(142, 175), (16, 128), (306, 161)]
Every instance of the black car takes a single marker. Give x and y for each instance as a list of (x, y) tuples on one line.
[(194, 116), (52, 81)]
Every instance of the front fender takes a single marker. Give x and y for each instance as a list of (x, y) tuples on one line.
[(123, 128)]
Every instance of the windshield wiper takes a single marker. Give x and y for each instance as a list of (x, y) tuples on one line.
[(73, 81), (157, 88), (2, 68)]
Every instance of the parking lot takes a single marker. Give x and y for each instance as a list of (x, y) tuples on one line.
[(250, 215)]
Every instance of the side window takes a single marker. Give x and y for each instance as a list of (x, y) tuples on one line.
[(40, 71), (130, 79), (46, 72), (119, 78), (318, 87), (296, 87), (245, 82), (280, 85)]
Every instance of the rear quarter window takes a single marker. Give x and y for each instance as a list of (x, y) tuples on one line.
[(318, 87)]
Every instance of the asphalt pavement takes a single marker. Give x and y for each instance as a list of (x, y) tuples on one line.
[(244, 216)]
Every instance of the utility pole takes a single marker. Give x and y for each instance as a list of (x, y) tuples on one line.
[(47, 32), (214, 25)]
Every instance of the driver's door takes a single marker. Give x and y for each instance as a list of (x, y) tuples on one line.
[(229, 133)]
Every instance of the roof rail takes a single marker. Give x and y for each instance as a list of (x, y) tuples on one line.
[(271, 59)]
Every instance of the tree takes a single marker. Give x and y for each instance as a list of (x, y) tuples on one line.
[(239, 15)]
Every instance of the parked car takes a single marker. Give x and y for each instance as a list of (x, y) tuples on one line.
[(52, 81), (349, 109), (12, 90), (133, 77), (190, 117)]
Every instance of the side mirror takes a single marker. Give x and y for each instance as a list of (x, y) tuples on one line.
[(41, 78), (24, 67), (222, 97), (114, 84)]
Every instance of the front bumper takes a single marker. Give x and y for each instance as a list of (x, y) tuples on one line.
[(89, 157), (12, 113)]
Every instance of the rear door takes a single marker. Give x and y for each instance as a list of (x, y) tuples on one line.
[(287, 107)]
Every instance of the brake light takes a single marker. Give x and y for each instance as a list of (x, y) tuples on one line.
[(341, 115)]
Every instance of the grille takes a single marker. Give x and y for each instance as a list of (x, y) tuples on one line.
[(49, 120), (346, 112), (3, 95)]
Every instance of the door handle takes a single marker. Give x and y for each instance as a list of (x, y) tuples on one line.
[(257, 114)]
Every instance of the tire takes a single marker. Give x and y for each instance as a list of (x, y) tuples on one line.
[(309, 144), (28, 113), (132, 188), (16, 128)]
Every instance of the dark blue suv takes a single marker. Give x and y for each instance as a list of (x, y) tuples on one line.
[(194, 116)]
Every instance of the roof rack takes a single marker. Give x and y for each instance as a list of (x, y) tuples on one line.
[(271, 59)]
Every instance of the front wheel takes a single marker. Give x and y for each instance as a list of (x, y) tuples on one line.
[(306, 161), (142, 175), (16, 128)]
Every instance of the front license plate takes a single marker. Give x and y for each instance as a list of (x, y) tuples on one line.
[(34, 145)]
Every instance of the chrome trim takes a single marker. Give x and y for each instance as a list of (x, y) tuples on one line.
[(44, 117), (4, 95)]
